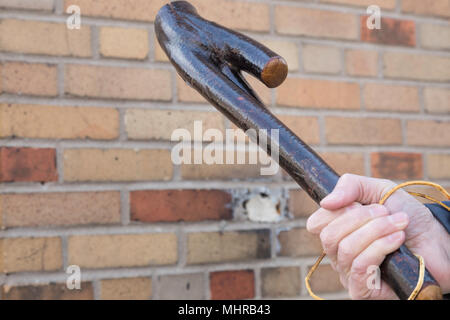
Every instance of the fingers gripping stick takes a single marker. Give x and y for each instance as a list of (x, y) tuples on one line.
[(211, 58)]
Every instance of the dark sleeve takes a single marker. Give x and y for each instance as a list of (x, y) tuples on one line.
[(440, 213), (443, 216)]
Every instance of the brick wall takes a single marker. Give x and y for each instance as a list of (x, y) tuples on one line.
[(85, 123)]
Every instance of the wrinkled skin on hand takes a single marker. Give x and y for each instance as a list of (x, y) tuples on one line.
[(356, 233)]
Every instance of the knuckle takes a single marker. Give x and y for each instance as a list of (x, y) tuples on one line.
[(345, 252), (313, 222), (347, 177), (344, 280), (387, 185), (327, 239), (358, 269)]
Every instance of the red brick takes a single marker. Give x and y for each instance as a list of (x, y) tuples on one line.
[(397, 165), (393, 32), (231, 285), (179, 205), (51, 291), (27, 164)]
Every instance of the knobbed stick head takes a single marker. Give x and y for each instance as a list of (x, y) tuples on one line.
[(210, 57)]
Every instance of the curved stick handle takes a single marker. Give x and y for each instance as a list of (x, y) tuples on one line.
[(210, 58)]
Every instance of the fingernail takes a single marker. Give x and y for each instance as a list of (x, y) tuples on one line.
[(335, 195), (395, 236), (399, 219), (377, 210)]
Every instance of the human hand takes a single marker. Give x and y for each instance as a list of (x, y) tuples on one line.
[(357, 233)]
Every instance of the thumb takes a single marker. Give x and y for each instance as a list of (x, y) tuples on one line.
[(352, 188)]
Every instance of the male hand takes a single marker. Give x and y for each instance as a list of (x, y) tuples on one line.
[(357, 233)]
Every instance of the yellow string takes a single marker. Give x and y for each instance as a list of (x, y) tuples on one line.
[(420, 281)]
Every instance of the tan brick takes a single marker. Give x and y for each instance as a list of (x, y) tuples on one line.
[(52, 291), (310, 94), (264, 93), (141, 10), (428, 133), (437, 100), (288, 50), (30, 78), (300, 204), (401, 65), (362, 63), (397, 165), (126, 289), (363, 131), (438, 166), (298, 242), (115, 82), (160, 124), (384, 4), (307, 128), (188, 94), (116, 165), (122, 250), (315, 23), (127, 43), (160, 55), (224, 171), (235, 14), (30, 254), (435, 36), (280, 282), (321, 59), (325, 279), (181, 287), (47, 38), (59, 209), (427, 7), (54, 122), (345, 162), (44, 5), (384, 97), (213, 247)]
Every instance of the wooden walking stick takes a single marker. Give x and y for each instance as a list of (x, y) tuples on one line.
[(210, 58)]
